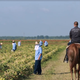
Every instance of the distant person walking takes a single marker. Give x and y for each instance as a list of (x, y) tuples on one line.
[(14, 46), (46, 43), (38, 58), (19, 43)]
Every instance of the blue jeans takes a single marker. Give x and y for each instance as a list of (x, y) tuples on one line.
[(13, 50), (37, 67)]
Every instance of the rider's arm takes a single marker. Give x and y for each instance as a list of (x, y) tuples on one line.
[(70, 35)]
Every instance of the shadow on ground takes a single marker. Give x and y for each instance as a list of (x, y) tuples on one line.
[(56, 73), (51, 74)]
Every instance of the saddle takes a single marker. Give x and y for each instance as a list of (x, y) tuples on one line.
[(74, 43)]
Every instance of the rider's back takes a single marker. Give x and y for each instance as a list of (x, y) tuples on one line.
[(75, 35)]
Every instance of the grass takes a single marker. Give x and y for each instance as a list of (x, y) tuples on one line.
[(53, 58), (20, 63)]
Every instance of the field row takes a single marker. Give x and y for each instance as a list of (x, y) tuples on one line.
[(20, 63)]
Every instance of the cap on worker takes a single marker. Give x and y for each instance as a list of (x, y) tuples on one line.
[(13, 41), (36, 43), (1, 43)]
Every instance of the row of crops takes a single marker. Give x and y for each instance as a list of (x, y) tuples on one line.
[(21, 62)]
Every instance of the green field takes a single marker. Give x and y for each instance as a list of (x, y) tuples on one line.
[(20, 63)]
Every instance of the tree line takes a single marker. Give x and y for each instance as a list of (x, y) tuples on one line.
[(32, 37)]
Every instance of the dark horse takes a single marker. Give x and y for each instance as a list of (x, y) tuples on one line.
[(74, 59)]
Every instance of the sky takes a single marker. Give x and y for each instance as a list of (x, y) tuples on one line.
[(32, 18)]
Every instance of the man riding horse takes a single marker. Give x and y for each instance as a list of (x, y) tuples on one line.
[(74, 36)]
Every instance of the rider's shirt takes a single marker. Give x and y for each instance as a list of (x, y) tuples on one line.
[(75, 35)]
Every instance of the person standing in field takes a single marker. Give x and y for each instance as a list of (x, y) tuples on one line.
[(38, 58), (75, 38), (19, 43), (41, 43), (1, 45), (14, 46), (46, 43)]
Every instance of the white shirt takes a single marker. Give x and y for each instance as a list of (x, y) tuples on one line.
[(36, 47)]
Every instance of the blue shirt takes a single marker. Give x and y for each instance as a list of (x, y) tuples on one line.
[(37, 53), (0, 46), (19, 43), (46, 43), (40, 43), (14, 46)]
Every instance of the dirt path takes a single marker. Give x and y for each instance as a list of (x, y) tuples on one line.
[(54, 70)]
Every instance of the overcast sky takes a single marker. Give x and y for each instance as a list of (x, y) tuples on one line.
[(32, 18)]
